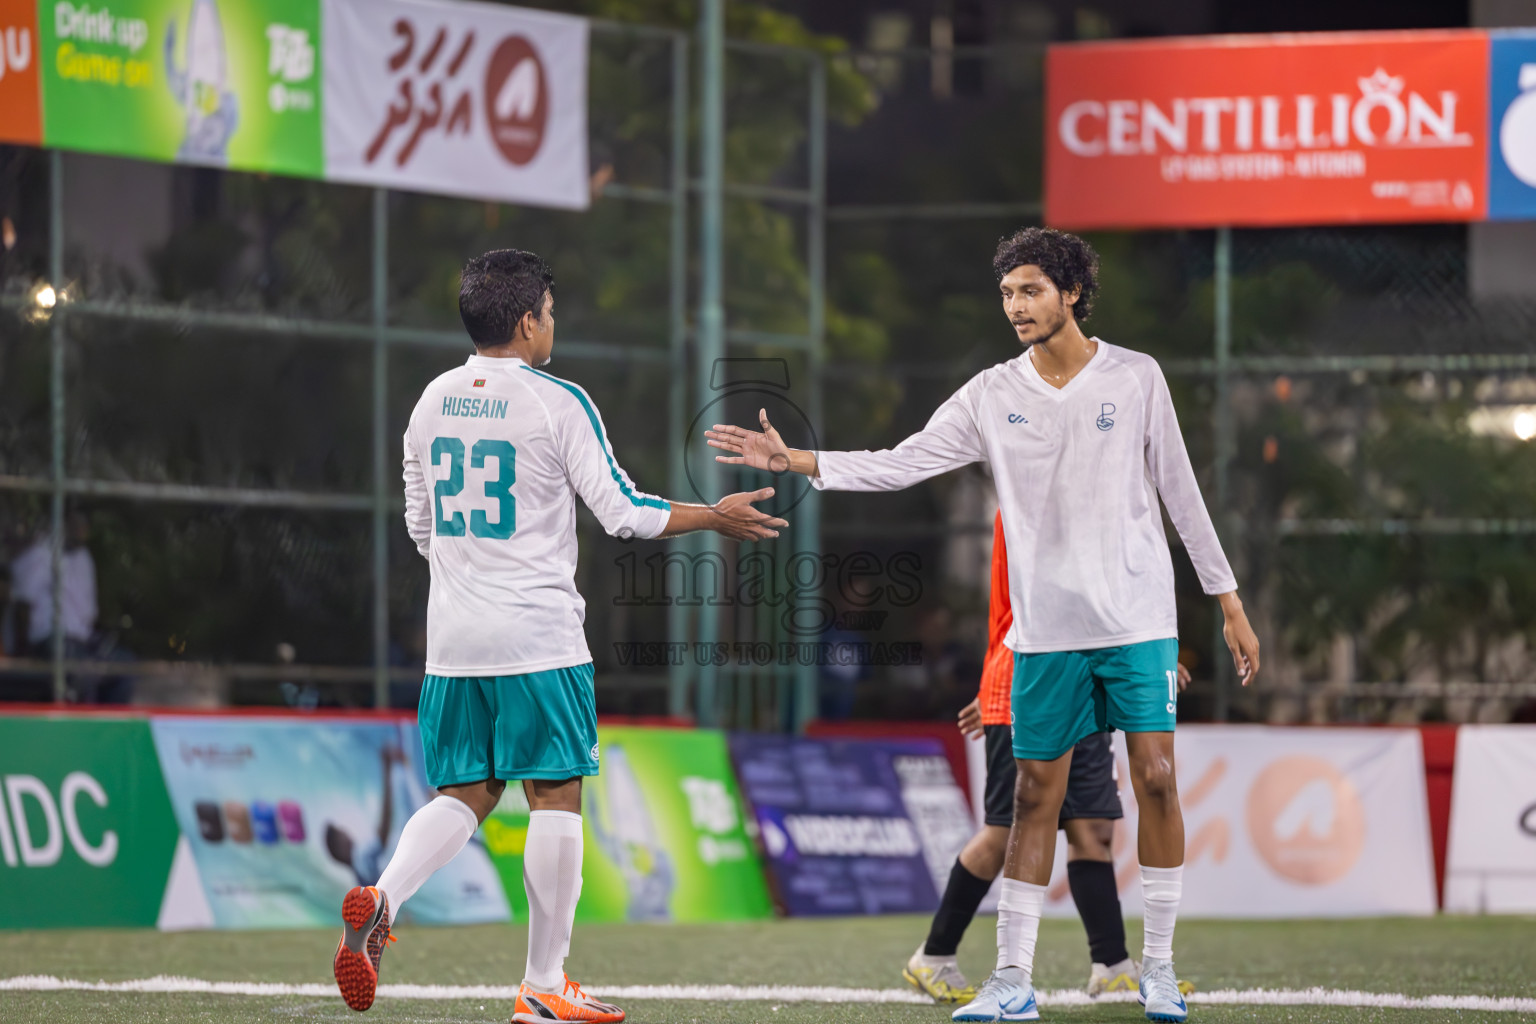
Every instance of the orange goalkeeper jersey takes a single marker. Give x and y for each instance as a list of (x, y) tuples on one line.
[(997, 672)]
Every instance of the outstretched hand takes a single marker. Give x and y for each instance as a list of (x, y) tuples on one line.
[(763, 449), (736, 518)]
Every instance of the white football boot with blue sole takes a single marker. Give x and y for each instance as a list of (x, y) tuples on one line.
[(1006, 995), (1160, 993)]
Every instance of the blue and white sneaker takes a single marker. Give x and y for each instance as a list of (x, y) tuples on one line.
[(1160, 992), (1005, 995)]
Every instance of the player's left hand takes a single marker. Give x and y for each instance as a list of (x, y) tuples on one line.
[(736, 518), (763, 449), (970, 719), (1241, 640), (1183, 677)]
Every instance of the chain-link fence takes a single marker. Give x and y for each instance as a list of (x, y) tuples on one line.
[(220, 391)]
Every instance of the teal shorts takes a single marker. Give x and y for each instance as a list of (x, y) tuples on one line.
[(541, 725), (1061, 697)]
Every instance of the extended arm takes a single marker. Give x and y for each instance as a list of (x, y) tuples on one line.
[(1168, 465), (949, 441)]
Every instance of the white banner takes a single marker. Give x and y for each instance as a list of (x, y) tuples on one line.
[(1283, 822), (466, 99), (1491, 860)]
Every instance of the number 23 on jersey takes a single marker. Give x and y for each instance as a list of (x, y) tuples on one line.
[(500, 454)]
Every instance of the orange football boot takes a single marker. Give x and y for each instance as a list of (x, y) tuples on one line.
[(569, 1004), (364, 933)]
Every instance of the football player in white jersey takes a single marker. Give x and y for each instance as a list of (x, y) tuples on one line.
[(1082, 440), (496, 454)]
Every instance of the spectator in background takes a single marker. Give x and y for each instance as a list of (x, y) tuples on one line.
[(32, 597)]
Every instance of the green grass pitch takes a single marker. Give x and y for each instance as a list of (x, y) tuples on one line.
[(1440, 956)]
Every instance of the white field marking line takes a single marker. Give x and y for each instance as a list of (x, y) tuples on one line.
[(774, 993)]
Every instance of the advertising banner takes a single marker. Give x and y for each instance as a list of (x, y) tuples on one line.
[(86, 831), (1263, 130), (1491, 860), (466, 99), (1287, 822), (21, 107), (217, 82), (853, 826), (665, 837), (1512, 126), (282, 817)]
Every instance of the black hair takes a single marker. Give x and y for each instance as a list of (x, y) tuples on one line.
[(1066, 259), (497, 289)]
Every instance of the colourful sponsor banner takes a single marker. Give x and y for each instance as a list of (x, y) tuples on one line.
[(1259, 130), (86, 831), (665, 839), (1491, 860), (282, 817), (21, 107), (1512, 126), (853, 826), (218, 82), (1286, 823), (465, 99)]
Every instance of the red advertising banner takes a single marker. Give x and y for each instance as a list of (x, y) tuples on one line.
[(1263, 130), (21, 110)]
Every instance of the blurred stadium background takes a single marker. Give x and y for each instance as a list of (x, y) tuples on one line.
[(205, 374)]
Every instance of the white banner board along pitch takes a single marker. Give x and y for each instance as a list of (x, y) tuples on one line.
[(467, 99), (1491, 860), (1287, 822)]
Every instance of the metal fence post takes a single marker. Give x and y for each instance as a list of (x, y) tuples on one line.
[(808, 527), (711, 299), (679, 674), (1225, 446), (380, 448), (56, 340)]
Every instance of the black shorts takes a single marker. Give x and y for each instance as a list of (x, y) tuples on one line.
[(1091, 789)]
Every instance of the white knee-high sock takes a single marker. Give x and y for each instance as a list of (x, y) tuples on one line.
[(433, 836), (552, 876), (1161, 889), (1018, 924)]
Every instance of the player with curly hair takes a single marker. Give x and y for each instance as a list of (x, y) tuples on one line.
[(1083, 441)]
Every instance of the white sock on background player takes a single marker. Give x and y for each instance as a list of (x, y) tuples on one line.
[(552, 876), (1161, 890), (1018, 924), (433, 836)]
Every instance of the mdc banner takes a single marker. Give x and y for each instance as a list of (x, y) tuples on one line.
[(86, 831), (853, 826), (1491, 860), (466, 99), (280, 817), (1287, 822), (217, 82), (1261, 130), (664, 835)]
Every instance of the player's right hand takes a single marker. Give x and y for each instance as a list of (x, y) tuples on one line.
[(736, 518), (970, 719), (763, 449)]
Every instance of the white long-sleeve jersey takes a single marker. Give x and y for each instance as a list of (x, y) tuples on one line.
[(495, 455), (1079, 471)]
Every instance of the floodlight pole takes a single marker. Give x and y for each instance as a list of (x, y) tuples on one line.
[(56, 342), (711, 335), (679, 674), (380, 448), (1225, 443)]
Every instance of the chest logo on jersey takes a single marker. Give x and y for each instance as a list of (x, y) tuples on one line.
[(480, 382), (1106, 416), (1014, 417)]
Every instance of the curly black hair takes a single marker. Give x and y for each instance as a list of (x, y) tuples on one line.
[(1066, 259), (497, 289)]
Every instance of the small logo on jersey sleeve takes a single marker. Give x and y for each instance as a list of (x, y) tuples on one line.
[(1106, 414), (480, 383)]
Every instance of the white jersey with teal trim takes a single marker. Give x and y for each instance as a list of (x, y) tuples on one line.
[(1079, 471), (496, 454)]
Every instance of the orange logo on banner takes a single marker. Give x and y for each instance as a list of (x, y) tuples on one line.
[(1306, 821), (1252, 130), (21, 112)]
